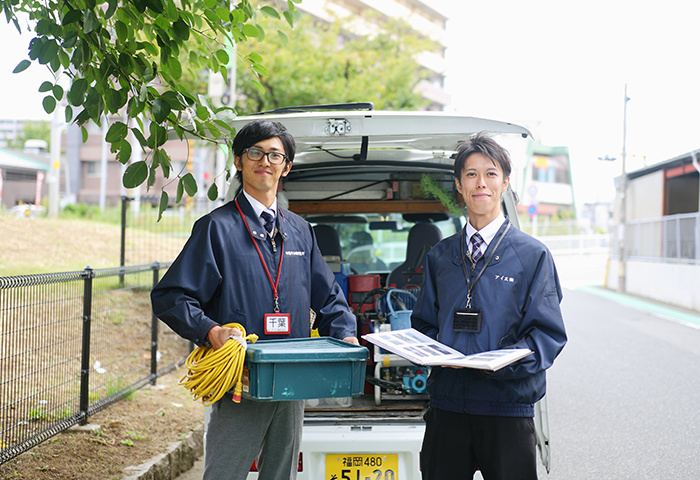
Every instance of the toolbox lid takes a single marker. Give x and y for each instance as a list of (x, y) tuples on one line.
[(315, 349)]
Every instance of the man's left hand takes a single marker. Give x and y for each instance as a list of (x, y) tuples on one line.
[(352, 340)]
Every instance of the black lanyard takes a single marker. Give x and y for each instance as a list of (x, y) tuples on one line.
[(470, 285), (279, 269)]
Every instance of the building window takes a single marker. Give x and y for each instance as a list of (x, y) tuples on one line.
[(550, 170), (91, 169)]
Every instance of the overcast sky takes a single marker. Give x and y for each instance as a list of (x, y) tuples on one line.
[(564, 64)]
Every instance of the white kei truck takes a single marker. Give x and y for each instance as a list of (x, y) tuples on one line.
[(363, 178)]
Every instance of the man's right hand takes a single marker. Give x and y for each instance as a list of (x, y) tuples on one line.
[(218, 335)]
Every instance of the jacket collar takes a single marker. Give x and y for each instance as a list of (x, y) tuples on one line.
[(458, 238), (257, 229)]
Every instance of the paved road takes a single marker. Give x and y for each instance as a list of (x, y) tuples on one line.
[(624, 396)]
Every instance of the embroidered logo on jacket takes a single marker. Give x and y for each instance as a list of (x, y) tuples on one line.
[(504, 278), (295, 253)]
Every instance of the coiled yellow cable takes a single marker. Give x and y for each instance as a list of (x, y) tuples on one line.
[(211, 373)]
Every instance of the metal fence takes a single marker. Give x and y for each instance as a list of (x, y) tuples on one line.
[(675, 238), (144, 239), (73, 343)]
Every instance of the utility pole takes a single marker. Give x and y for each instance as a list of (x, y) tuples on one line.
[(621, 281)]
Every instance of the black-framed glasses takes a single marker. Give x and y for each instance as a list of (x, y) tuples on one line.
[(255, 154)]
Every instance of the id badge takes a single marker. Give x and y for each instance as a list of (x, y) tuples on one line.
[(278, 324), (466, 320)]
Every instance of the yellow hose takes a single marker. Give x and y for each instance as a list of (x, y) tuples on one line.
[(211, 373)]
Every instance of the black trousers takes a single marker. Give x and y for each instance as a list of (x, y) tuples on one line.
[(455, 445)]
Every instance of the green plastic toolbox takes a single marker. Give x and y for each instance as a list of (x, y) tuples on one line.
[(303, 368)]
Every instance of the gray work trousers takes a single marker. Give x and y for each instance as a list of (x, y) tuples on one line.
[(240, 432)]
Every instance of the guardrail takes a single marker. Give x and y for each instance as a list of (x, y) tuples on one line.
[(577, 244), (73, 343)]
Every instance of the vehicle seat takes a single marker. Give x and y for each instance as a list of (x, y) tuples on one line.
[(328, 241), (421, 238)]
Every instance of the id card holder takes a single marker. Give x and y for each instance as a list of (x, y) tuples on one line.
[(278, 324), (466, 320)]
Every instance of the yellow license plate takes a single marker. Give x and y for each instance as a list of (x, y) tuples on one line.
[(353, 466)]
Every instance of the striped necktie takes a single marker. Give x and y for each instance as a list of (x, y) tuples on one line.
[(476, 247), (269, 221)]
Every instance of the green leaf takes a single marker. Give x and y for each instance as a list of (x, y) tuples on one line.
[(270, 12), (161, 110), (57, 91), (91, 23), (259, 69), (135, 174), (69, 113), (111, 9), (117, 132), (139, 136), (48, 52), (202, 112), (213, 130), (181, 30), (222, 56), (283, 38), (45, 87), (71, 16), (213, 192), (76, 94), (163, 204), (49, 104), (85, 133), (258, 86), (250, 30), (223, 14), (122, 30), (124, 153), (180, 190), (255, 57), (190, 184), (158, 137), (174, 67), (288, 17), (210, 4)]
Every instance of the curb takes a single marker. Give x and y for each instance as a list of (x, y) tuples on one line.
[(179, 458)]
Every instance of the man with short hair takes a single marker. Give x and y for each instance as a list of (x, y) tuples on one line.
[(488, 287), (256, 264)]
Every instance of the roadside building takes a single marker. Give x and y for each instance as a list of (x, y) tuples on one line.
[(659, 242), (21, 176)]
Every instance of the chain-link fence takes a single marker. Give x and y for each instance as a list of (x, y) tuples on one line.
[(72, 344), (143, 239)]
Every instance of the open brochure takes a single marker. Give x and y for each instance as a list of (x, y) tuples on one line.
[(423, 350)]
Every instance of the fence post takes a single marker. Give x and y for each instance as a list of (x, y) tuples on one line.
[(88, 274), (122, 246), (154, 329)]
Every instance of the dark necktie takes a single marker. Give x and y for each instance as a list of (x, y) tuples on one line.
[(476, 247), (269, 221)]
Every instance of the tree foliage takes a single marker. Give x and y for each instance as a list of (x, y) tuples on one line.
[(127, 58), (31, 130), (325, 63)]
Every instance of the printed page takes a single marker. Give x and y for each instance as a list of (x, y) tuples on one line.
[(423, 350)]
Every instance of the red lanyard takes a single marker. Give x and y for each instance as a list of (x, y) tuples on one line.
[(279, 269)]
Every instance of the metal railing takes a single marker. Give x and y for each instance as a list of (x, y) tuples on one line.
[(672, 239), (577, 244), (72, 344)]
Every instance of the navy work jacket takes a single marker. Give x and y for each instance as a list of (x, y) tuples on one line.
[(218, 278), (519, 295)]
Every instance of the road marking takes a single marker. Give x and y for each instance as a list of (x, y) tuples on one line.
[(653, 308)]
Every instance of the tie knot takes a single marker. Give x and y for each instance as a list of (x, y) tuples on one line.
[(269, 220), (476, 247)]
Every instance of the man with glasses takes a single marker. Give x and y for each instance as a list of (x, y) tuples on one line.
[(256, 264)]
